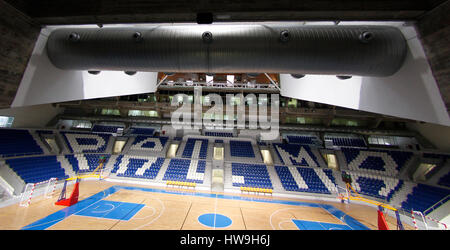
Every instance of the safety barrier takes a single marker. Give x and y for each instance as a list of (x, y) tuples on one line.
[(436, 221)]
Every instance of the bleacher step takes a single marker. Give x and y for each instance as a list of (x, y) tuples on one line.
[(180, 149), (109, 165), (41, 144), (402, 194), (162, 170), (275, 179), (319, 158), (275, 157), (68, 169)]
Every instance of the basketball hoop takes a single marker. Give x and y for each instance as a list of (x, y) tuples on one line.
[(343, 194)]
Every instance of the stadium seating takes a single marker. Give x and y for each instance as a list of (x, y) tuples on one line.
[(146, 167), (423, 197), (196, 148), (376, 161), (445, 180), (395, 190), (78, 142), (149, 143), (117, 163), (371, 187), (105, 128), (44, 132), (17, 142), (400, 158), (219, 134), (287, 179), (83, 163), (295, 154), (93, 160), (384, 188), (377, 186), (301, 139), (300, 179), (250, 175), (142, 131), (347, 142), (241, 149), (37, 169), (185, 170), (73, 162)]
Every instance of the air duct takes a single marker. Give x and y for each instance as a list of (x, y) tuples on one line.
[(289, 49)]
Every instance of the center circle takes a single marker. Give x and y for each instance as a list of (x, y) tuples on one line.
[(214, 220)]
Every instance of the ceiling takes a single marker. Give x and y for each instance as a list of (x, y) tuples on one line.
[(430, 16), (134, 11)]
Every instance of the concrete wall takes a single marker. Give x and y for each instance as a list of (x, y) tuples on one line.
[(17, 37), (36, 116), (438, 135)]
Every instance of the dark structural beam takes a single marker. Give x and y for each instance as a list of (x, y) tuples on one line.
[(157, 11)]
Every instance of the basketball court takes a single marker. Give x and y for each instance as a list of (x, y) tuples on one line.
[(104, 205)]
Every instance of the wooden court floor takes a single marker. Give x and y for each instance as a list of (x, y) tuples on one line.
[(169, 211)]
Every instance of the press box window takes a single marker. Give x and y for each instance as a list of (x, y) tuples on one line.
[(6, 121)]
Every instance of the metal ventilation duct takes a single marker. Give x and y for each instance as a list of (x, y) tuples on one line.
[(289, 49)]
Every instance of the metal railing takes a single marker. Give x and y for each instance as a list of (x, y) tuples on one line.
[(219, 84), (437, 204), (20, 154)]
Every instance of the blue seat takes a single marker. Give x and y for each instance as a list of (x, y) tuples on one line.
[(294, 150), (255, 175), (445, 180), (189, 148), (17, 142), (106, 128), (178, 170), (36, 169), (300, 139), (81, 140), (241, 149), (424, 196)]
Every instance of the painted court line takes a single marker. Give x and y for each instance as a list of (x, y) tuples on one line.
[(314, 225), (52, 219), (60, 215), (119, 211), (160, 213)]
